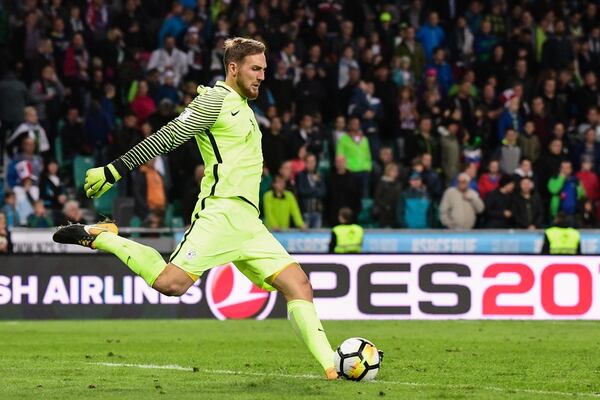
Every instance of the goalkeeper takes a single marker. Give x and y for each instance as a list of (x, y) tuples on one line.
[(225, 223)]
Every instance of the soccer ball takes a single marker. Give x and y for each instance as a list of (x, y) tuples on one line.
[(357, 359)]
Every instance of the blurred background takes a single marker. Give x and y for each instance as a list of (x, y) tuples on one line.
[(446, 117)]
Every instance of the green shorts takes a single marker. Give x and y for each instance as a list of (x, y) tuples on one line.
[(228, 230)]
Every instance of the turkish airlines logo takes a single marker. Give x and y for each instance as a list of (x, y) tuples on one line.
[(230, 295)]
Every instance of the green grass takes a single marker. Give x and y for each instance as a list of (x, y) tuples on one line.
[(423, 360)]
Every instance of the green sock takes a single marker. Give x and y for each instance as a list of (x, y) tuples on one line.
[(307, 325), (143, 260)]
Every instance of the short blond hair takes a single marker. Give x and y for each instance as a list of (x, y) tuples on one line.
[(238, 48)]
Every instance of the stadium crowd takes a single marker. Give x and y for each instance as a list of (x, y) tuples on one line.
[(413, 113)]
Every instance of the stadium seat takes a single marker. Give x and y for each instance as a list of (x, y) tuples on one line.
[(364, 217), (123, 210), (104, 205), (135, 222), (80, 165)]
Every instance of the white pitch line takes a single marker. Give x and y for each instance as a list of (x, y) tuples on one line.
[(174, 367)]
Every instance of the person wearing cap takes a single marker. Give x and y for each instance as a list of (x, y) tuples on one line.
[(414, 205), (561, 238), (498, 205), (346, 237)]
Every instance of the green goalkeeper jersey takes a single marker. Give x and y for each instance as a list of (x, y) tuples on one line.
[(229, 139)]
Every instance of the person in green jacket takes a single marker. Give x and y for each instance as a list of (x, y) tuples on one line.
[(566, 191), (354, 146), (280, 206)]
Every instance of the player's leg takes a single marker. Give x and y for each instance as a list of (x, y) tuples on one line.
[(146, 262), (141, 259), (293, 283), (266, 263)]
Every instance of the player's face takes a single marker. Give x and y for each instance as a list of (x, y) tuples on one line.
[(250, 74)]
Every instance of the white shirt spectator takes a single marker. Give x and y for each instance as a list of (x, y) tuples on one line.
[(174, 60)]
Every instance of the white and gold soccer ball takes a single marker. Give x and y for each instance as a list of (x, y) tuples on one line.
[(357, 359)]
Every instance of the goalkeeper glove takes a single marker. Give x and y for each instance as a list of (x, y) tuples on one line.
[(99, 180)]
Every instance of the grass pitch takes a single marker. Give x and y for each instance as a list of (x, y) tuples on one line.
[(211, 359)]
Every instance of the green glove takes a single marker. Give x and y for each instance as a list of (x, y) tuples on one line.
[(99, 180)]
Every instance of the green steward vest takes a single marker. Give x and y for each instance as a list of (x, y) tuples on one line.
[(563, 240), (348, 238)]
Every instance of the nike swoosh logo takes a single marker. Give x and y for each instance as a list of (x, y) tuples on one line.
[(233, 114), (321, 330)]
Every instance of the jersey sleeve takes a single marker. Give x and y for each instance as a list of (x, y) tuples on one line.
[(197, 117)]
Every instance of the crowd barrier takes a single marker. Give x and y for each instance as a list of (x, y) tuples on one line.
[(347, 287), (375, 241)]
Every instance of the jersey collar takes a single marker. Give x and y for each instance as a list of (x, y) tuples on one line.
[(229, 88)]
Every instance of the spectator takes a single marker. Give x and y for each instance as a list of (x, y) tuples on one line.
[(450, 149), (30, 128), (548, 166), (387, 193), (128, 135), (274, 145), (167, 90), (24, 164), (142, 105), (488, 181), (484, 43), (431, 178), (311, 192), (525, 170), (424, 141), (52, 190), (566, 191), (39, 218), (460, 205), (541, 120), (431, 35), (71, 214), (310, 92), (6, 246), (26, 194), (589, 149), (529, 143), (98, 127), (442, 69), (9, 210), (169, 58), (342, 191), (356, 150), (149, 190), (509, 153), (280, 207), (72, 135), (414, 207), (411, 48), (510, 119), (557, 53), (498, 205), (282, 87), (589, 180), (47, 94), (307, 135), (14, 97), (527, 207)]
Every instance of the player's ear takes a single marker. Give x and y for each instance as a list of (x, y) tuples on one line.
[(233, 67)]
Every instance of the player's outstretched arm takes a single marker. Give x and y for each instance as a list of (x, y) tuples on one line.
[(199, 116)]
